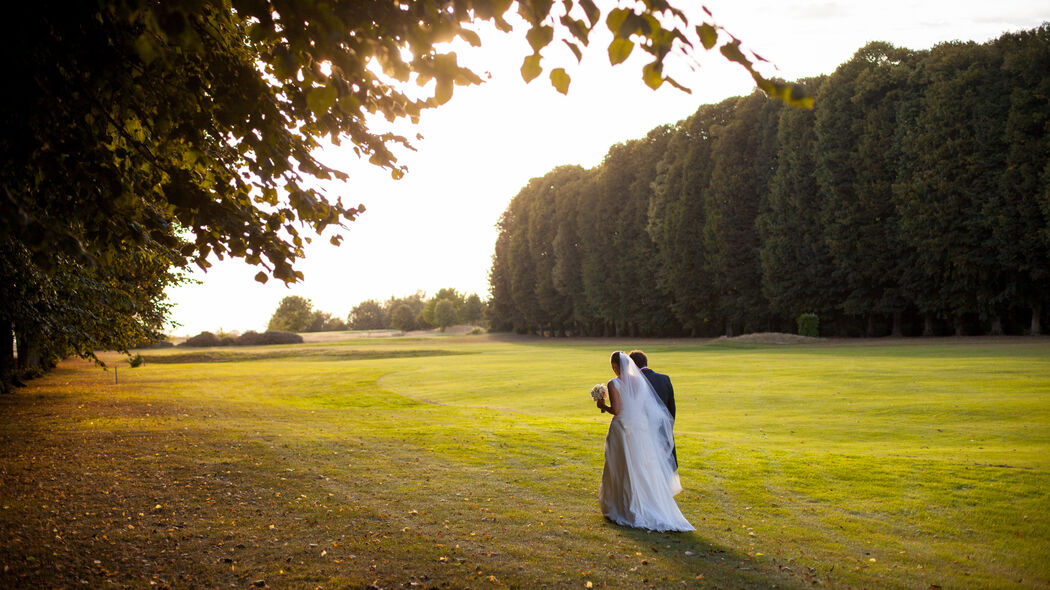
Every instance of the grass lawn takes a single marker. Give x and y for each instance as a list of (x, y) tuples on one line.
[(475, 461)]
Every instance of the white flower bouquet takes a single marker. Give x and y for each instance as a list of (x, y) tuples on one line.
[(598, 392)]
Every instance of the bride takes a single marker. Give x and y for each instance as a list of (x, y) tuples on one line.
[(640, 479)]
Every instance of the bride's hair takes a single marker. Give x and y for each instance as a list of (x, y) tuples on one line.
[(615, 359)]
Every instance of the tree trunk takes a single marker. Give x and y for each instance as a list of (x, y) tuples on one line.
[(729, 329), (927, 325), (22, 348), (997, 326), (871, 324), (30, 360), (959, 326), (7, 356), (1036, 329), (898, 324)]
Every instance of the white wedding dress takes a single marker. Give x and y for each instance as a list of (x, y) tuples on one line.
[(640, 479)]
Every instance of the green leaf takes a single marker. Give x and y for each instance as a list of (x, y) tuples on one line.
[(539, 37), (575, 50), (146, 48), (321, 98), (708, 35), (592, 12), (653, 75), (619, 50), (470, 37), (560, 80), (732, 52), (443, 91), (531, 68), (578, 28), (616, 19)]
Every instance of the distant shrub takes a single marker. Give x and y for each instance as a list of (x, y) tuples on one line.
[(808, 325), (252, 338), (476, 331), (202, 340), (227, 341), (135, 361)]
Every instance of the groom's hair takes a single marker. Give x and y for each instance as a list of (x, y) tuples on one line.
[(639, 358)]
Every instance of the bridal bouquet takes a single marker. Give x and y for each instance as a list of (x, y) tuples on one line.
[(598, 392)]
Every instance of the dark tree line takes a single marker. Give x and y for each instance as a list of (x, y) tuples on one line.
[(913, 199)]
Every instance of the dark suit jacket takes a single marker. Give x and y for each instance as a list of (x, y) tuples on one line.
[(662, 384)]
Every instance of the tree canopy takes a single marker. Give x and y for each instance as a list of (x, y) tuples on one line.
[(181, 131), (138, 116)]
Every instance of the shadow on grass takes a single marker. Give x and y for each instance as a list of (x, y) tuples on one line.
[(697, 559)]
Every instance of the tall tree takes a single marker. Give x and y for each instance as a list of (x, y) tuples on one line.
[(743, 162), (796, 264), (954, 154), (521, 264), (645, 302), (555, 309), (1019, 211), (677, 219), (568, 249), (856, 142), (502, 313)]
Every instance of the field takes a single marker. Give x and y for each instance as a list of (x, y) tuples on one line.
[(474, 461)]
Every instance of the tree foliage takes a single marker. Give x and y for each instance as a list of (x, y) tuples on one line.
[(181, 131), (445, 313), (368, 315), (293, 314), (205, 114), (403, 318), (912, 199)]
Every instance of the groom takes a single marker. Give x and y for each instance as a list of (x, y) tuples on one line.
[(662, 384)]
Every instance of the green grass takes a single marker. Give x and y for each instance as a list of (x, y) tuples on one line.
[(475, 461)]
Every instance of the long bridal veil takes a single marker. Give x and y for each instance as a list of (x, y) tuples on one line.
[(645, 498)]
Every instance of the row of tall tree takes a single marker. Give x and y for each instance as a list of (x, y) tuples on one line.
[(913, 199)]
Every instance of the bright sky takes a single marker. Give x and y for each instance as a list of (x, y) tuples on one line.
[(436, 227)]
